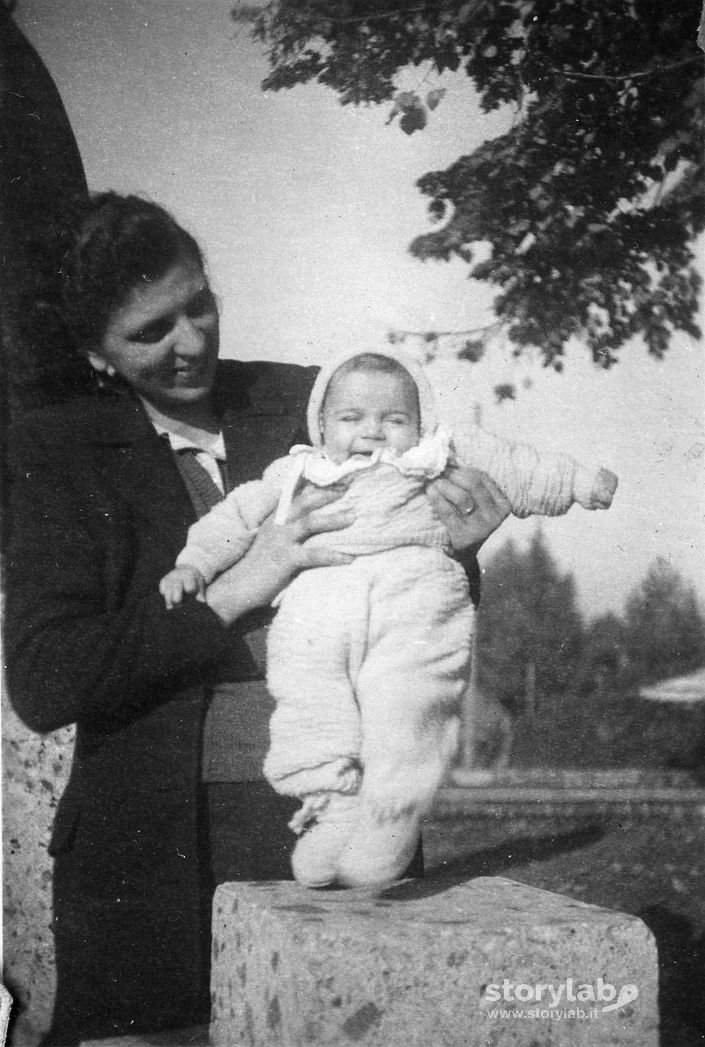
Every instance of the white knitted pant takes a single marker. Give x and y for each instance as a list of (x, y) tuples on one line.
[(367, 663)]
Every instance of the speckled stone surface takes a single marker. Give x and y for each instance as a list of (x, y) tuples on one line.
[(35, 771), (417, 966)]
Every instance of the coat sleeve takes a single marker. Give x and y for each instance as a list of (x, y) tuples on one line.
[(87, 636), (541, 484)]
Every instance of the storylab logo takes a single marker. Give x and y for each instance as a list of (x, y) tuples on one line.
[(566, 1000)]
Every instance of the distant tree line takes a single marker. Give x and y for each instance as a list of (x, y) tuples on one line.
[(533, 642)]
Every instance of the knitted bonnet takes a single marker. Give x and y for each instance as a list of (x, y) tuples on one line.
[(427, 407)]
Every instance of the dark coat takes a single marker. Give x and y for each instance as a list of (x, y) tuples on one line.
[(99, 513)]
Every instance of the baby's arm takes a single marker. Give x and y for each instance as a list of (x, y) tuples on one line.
[(223, 536), (182, 581), (216, 541), (544, 484)]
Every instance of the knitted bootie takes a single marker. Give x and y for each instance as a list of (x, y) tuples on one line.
[(378, 851), (316, 856)]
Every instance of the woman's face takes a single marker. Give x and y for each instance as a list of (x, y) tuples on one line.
[(164, 339)]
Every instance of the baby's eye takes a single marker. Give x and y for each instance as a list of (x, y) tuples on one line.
[(398, 419), (349, 418)]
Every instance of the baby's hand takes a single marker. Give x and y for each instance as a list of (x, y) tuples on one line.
[(603, 491), (182, 581)]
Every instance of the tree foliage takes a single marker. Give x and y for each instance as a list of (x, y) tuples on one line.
[(529, 628), (591, 202), (664, 630), (531, 635), (604, 662)]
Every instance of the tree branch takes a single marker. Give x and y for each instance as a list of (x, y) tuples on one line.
[(628, 76), (377, 16), (433, 336)]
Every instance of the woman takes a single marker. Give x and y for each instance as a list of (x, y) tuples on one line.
[(104, 490)]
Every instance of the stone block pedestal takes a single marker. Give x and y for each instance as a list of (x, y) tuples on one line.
[(485, 962)]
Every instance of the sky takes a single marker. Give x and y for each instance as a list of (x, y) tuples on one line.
[(305, 209)]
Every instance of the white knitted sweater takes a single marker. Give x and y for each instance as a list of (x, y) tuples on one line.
[(387, 493)]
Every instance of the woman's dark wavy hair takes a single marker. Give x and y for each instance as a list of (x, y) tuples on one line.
[(83, 268), (120, 243)]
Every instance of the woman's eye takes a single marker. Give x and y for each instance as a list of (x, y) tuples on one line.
[(152, 333), (201, 303)]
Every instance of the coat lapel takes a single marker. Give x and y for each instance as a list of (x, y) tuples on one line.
[(258, 423), (141, 468), (253, 441), (258, 427)]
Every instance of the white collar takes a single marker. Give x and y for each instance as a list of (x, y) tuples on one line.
[(183, 437), (427, 459)]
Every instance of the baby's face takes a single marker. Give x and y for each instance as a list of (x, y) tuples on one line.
[(367, 410)]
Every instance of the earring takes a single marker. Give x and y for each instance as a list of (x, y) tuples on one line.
[(99, 364)]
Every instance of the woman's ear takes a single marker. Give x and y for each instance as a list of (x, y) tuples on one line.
[(99, 364)]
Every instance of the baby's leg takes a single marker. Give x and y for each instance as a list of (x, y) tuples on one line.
[(315, 643), (311, 650), (409, 690), (410, 685)]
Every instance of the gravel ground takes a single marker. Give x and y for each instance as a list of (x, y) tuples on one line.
[(653, 868)]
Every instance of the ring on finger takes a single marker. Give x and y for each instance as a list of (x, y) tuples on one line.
[(470, 510)]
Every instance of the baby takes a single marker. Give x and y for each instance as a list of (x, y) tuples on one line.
[(368, 661)]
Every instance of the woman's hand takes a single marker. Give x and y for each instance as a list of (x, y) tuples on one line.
[(470, 505), (278, 553)]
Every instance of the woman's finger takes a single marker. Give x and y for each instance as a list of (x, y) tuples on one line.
[(457, 497), (470, 505), (469, 490), (321, 557), (310, 498), (319, 521)]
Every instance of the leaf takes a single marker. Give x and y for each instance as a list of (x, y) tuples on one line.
[(434, 97), (504, 391), (414, 119), (406, 100), (473, 350), (403, 102)]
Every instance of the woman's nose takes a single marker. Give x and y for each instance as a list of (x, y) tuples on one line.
[(189, 339)]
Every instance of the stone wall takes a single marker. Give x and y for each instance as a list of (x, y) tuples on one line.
[(35, 771)]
